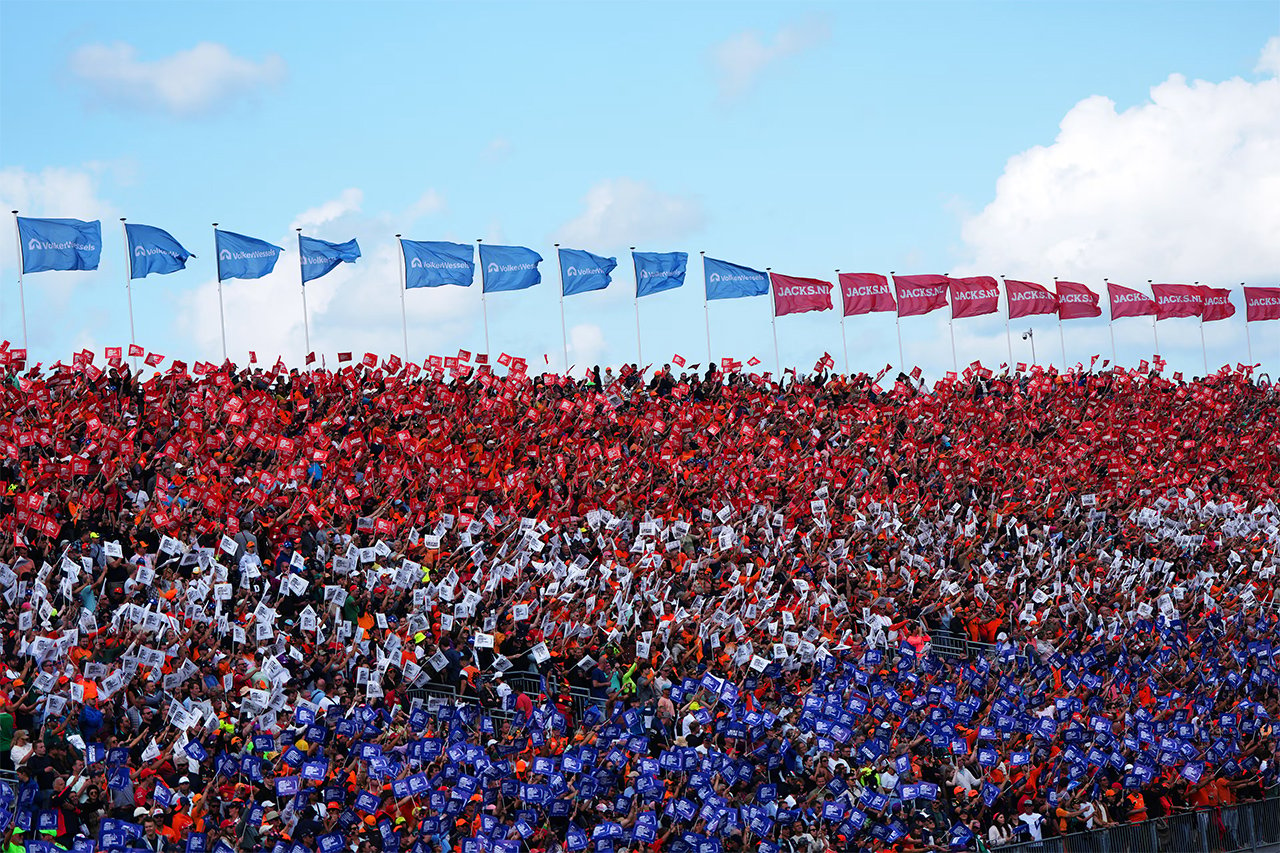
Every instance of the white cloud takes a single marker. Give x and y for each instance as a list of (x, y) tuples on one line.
[(587, 346), (348, 202), (429, 203), (622, 211), (497, 149), (1269, 61), (1182, 187), (189, 82), (740, 59)]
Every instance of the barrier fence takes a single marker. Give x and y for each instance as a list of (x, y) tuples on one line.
[(1229, 829)]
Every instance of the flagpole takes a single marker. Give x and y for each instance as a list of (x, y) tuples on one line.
[(404, 319), (1154, 319), (897, 320), (1247, 339), (1203, 350), (484, 305), (706, 311), (773, 321), (1111, 323), (222, 314), (844, 340), (1062, 338), (564, 334), (22, 296), (128, 288), (306, 326), (1008, 338), (636, 273), (951, 328)]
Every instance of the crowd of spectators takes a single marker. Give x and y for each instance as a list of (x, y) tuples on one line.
[(458, 608)]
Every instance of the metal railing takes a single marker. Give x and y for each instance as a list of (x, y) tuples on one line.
[(1229, 829), (581, 699)]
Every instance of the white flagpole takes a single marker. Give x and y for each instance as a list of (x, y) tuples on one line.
[(773, 311), (1062, 338), (1111, 324), (22, 296), (1008, 307), (706, 311), (404, 320), (128, 287), (951, 327), (564, 334), (484, 305), (306, 325), (636, 272), (1247, 339), (897, 321), (222, 315), (1203, 350), (844, 340), (1154, 319)]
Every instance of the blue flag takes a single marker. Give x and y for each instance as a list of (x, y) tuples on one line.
[(321, 256), (433, 264), (244, 257), (59, 244), (583, 272), (153, 250), (509, 268), (659, 271), (730, 281)]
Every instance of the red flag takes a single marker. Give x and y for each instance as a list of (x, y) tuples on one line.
[(1026, 298), (1260, 303), (370, 360), (153, 359), (1178, 300), (1217, 304), (311, 358), (135, 351), (114, 353), (920, 294), (253, 357), (1126, 302), (973, 297), (865, 292), (793, 295), (1076, 302), (344, 356), (677, 360)]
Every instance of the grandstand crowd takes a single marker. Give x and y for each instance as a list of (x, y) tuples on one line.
[(467, 610)]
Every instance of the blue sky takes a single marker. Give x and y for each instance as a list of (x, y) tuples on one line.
[(859, 136)]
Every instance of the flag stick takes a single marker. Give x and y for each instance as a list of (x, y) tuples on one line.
[(897, 320), (773, 311), (306, 325), (706, 311), (1062, 338), (636, 272), (22, 296), (1247, 339), (1203, 351), (222, 314), (844, 340), (564, 334), (951, 328), (128, 287), (1008, 339), (404, 321), (1154, 319), (484, 305), (1111, 324)]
